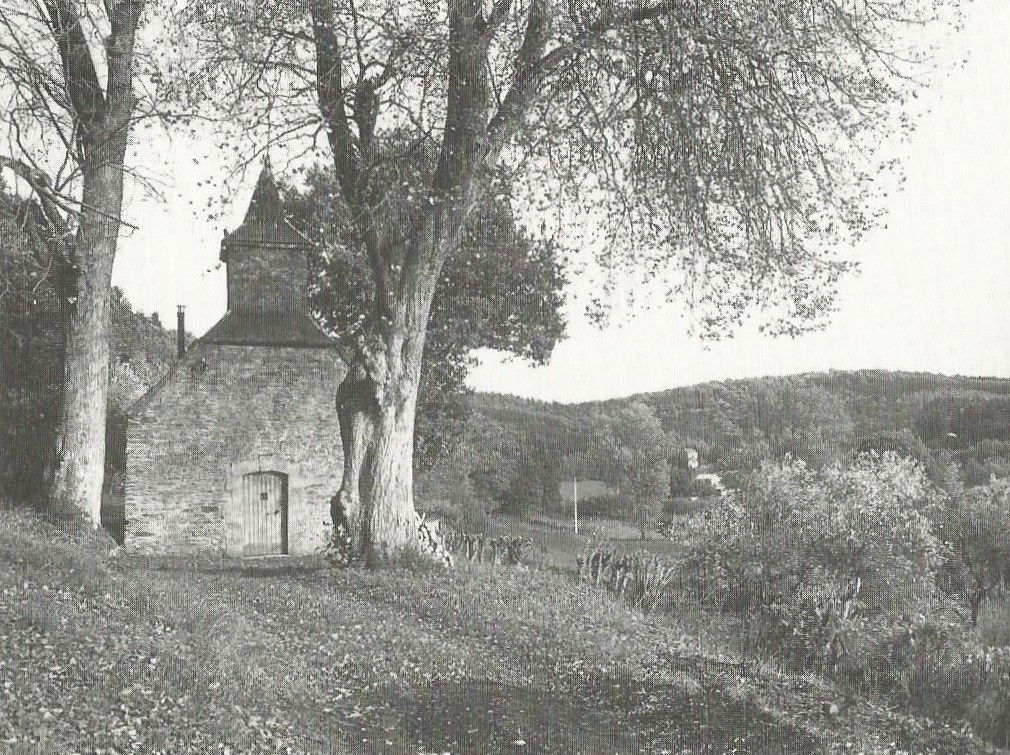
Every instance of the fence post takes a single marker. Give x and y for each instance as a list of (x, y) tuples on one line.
[(575, 497)]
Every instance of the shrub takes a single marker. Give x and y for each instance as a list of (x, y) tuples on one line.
[(605, 505), (990, 709), (994, 622), (976, 527), (512, 551), (704, 488), (905, 443), (863, 572), (681, 476), (684, 506), (824, 566)]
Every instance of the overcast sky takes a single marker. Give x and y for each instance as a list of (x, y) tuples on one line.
[(933, 293)]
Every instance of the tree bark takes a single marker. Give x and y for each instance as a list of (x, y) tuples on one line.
[(80, 463), (376, 405)]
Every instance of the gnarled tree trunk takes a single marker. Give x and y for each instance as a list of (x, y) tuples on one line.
[(376, 405)]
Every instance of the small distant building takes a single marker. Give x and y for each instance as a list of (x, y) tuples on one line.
[(237, 448), (712, 479), (692, 458)]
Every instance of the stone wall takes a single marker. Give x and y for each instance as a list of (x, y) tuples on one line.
[(222, 412)]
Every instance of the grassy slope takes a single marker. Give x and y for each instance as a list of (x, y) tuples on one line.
[(172, 656)]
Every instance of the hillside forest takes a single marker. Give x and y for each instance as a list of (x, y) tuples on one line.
[(518, 452)]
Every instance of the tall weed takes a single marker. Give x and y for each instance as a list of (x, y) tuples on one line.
[(642, 579)]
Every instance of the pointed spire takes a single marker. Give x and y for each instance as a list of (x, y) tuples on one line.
[(264, 223), (265, 205)]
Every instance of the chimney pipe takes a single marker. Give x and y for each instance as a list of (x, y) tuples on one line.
[(180, 333)]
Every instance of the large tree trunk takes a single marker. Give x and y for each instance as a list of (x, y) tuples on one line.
[(376, 407), (102, 122), (80, 462)]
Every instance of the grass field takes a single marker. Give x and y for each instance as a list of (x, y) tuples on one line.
[(556, 546), (183, 655)]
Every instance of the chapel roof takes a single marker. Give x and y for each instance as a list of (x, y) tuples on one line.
[(267, 329), (264, 223)]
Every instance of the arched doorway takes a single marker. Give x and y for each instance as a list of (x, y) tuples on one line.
[(264, 513)]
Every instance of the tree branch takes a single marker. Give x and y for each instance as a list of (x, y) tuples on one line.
[(533, 64), (79, 74), (124, 16), (346, 148), (330, 90), (40, 184)]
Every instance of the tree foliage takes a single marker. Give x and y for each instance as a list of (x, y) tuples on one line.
[(822, 417), (976, 527), (868, 573), (31, 351), (830, 564), (631, 450), (496, 291), (739, 424), (719, 140)]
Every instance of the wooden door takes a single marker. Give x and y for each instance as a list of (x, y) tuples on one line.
[(264, 514)]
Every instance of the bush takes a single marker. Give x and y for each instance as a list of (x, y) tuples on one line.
[(975, 526), (684, 506), (605, 506), (994, 622), (990, 710), (906, 444), (864, 572), (681, 478), (825, 567), (464, 509)]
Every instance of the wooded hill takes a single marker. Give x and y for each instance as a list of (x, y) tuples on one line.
[(32, 327), (517, 450)]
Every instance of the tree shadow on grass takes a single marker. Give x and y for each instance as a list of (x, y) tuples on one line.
[(478, 716), (482, 716)]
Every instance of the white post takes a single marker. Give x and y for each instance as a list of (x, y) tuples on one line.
[(575, 495)]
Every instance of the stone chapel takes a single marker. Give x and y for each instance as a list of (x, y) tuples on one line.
[(237, 448)]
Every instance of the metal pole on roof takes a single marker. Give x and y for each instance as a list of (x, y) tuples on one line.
[(180, 331)]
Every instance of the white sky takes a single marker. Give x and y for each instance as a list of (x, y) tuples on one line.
[(933, 293)]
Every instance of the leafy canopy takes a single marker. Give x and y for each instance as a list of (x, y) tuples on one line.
[(719, 151)]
